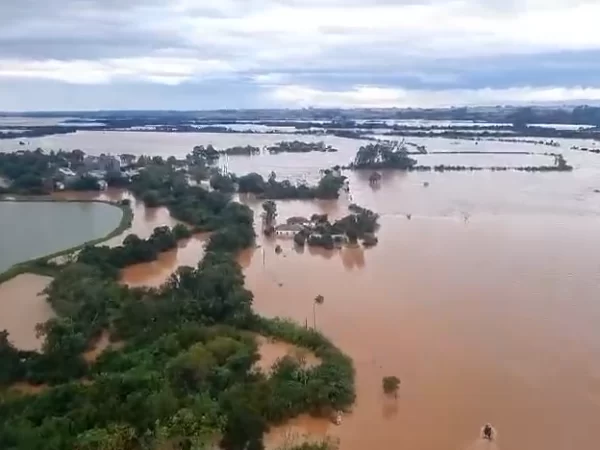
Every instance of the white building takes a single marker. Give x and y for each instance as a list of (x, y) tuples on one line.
[(288, 230)]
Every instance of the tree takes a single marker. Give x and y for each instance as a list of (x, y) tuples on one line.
[(252, 183), (180, 231), (270, 209), (300, 239), (383, 155), (352, 235), (191, 368), (151, 199), (329, 186), (222, 183), (319, 300), (198, 172), (390, 385)]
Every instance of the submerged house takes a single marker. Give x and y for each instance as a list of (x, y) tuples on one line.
[(64, 177), (106, 163), (288, 230), (298, 220)]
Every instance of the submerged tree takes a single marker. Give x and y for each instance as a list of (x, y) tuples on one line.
[(391, 385), (270, 209), (319, 300), (383, 155)]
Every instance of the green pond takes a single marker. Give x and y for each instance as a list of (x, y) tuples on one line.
[(33, 229)]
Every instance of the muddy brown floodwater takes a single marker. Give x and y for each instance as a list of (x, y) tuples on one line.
[(485, 305), (22, 307)]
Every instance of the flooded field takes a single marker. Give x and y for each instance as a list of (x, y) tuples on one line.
[(22, 307), (484, 304)]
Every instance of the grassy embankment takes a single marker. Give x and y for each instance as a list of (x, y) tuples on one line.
[(41, 264)]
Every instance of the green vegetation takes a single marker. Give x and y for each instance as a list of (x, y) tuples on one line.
[(391, 385), (328, 187), (29, 171), (223, 183), (185, 377), (269, 216), (210, 153), (300, 147), (133, 250), (394, 155), (361, 223), (383, 155), (246, 150), (319, 300)]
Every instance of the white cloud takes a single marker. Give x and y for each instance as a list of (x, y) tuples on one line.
[(270, 43), (279, 34), (377, 97), (163, 70)]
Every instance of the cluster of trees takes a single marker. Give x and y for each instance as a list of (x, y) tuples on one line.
[(211, 154), (392, 155), (30, 172), (133, 249), (184, 378), (34, 172), (361, 223), (383, 155), (246, 150), (160, 182), (200, 153), (390, 385), (300, 147), (269, 216), (203, 210), (328, 187)]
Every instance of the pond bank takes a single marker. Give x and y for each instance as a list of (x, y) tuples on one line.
[(40, 264)]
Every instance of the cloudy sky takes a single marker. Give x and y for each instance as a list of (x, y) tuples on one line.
[(203, 54)]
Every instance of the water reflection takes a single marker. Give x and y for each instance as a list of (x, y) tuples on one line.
[(353, 257)]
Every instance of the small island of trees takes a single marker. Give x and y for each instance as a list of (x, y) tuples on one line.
[(319, 231), (391, 384), (300, 147), (394, 155), (383, 155)]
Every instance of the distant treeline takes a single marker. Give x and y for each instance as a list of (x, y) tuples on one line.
[(583, 115), (486, 123), (34, 132)]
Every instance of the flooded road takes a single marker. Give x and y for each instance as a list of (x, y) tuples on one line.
[(484, 304)]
